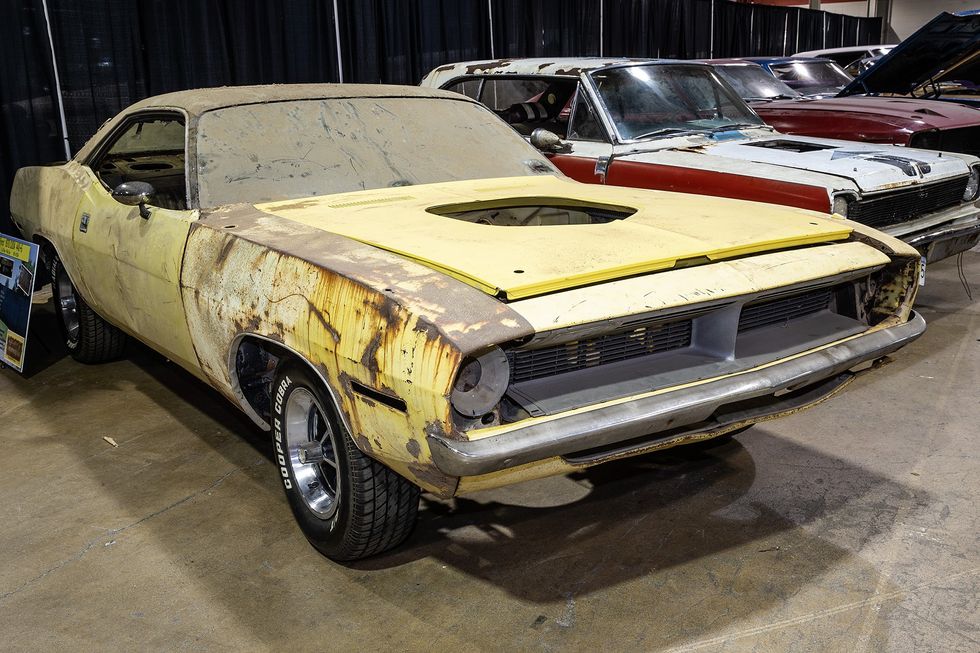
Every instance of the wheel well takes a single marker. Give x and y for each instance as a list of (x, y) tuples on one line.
[(253, 366)]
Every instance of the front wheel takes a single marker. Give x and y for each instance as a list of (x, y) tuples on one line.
[(348, 505)]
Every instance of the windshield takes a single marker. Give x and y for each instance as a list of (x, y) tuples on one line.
[(302, 148), (751, 82), (811, 77), (660, 100)]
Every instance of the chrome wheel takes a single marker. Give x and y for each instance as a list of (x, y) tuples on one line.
[(67, 304), (310, 443)]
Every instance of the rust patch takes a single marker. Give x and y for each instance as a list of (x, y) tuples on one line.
[(413, 448), (370, 357), (223, 253), (438, 483), (430, 330), (324, 321), (487, 66), (364, 444)]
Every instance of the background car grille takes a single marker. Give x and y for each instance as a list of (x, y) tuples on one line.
[(783, 310), (610, 348), (908, 204)]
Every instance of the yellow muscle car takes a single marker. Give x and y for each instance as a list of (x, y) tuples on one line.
[(407, 295)]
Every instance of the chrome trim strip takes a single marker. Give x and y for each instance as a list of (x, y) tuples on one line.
[(947, 232), (632, 419)]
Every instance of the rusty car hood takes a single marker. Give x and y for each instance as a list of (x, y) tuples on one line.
[(869, 166), (661, 231)]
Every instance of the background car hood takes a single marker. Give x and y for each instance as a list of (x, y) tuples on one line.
[(513, 262), (902, 113), (870, 167), (867, 166), (939, 45)]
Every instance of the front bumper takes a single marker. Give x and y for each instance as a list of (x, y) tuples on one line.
[(575, 432), (941, 234)]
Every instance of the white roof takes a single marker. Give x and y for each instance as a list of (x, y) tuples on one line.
[(853, 48), (571, 67)]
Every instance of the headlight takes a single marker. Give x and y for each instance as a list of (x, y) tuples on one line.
[(972, 184), (931, 140), (481, 383), (840, 204)]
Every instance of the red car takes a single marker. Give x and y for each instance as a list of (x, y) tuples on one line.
[(913, 122)]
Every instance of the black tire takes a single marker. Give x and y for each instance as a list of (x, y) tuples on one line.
[(351, 509), (88, 337)]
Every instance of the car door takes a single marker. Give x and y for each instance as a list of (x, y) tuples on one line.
[(590, 146), (128, 259)]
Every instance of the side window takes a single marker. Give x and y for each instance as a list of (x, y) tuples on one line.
[(468, 87), (531, 103), (584, 124), (150, 150)]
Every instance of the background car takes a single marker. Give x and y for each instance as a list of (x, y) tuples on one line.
[(909, 121), (401, 314), (677, 126), (854, 59), (938, 62), (810, 77)]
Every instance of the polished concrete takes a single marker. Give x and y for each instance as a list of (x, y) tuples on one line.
[(851, 527)]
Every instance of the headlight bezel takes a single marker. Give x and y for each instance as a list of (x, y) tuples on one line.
[(840, 203), (972, 190), (480, 396)]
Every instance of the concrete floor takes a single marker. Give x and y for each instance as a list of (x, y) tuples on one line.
[(851, 527)]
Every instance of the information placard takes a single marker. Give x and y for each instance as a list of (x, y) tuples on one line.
[(18, 265)]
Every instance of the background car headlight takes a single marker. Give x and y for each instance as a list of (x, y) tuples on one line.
[(840, 204), (972, 184), (481, 383)]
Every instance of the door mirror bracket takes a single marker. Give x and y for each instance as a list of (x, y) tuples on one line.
[(134, 193)]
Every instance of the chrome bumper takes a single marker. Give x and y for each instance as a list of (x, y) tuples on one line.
[(612, 424), (943, 242), (928, 234)]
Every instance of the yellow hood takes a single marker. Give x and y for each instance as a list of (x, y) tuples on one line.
[(514, 262)]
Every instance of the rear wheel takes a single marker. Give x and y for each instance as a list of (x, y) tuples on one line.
[(89, 338), (348, 505)]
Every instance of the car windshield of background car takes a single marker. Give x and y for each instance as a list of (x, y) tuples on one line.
[(751, 82), (661, 100), (812, 75), (304, 148)]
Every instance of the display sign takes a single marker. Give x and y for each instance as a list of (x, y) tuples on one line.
[(18, 264)]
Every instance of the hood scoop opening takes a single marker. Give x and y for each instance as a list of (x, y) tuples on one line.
[(527, 212), (786, 145)]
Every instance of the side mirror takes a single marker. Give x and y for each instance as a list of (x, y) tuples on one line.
[(134, 193), (548, 141)]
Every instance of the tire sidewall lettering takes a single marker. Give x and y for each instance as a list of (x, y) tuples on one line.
[(278, 401)]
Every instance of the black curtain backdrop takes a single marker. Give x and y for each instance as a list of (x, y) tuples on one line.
[(29, 131), (545, 28), (111, 53)]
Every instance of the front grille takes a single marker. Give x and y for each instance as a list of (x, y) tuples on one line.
[(776, 311), (526, 365), (908, 204)]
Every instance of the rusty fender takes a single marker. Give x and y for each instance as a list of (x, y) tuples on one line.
[(355, 313)]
